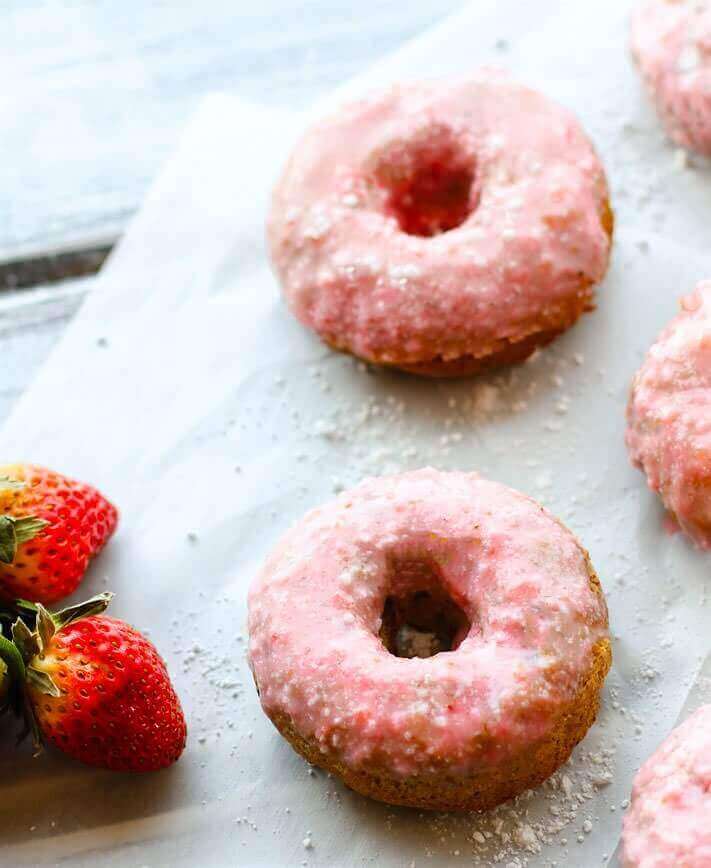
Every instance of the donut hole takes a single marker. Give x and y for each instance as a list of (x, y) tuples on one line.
[(420, 618), (429, 184)]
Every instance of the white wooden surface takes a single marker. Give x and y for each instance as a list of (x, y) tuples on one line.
[(100, 90), (95, 94)]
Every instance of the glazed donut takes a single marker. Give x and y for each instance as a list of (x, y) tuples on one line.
[(669, 821), (442, 228), (669, 416), (671, 44), (448, 562)]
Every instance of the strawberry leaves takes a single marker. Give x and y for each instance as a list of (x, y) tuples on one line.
[(42, 682), (11, 656), (13, 677), (46, 628), (96, 605), (32, 642), (32, 631), (8, 539), (16, 531), (26, 642)]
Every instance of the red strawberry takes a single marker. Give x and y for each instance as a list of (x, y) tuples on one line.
[(97, 689), (50, 528)]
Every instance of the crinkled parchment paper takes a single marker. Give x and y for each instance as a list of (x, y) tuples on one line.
[(188, 394)]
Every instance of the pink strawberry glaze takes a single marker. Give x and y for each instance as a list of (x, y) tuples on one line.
[(521, 578), (669, 821), (671, 43), (669, 416), (531, 241)]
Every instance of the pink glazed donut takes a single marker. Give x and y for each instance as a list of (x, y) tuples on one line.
[(442, 228), (671, 44), (669, 822), (669, 416), (434, 639)]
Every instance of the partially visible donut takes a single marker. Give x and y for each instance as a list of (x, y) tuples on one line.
[(442, 228), (668, 824), (355, 595), (671, 44), (669, 416)]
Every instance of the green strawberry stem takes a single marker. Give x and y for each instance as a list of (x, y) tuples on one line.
[(16, 531), (25, 640), (30, 612), (14, 695), (12, 658), (93, 606), (28, 641), (24, 608)]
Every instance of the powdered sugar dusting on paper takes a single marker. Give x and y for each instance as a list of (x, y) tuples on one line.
[(247, 438), (380, 424)]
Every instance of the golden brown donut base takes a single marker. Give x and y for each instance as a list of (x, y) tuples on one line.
[(491, 786), (512, 353), (507, 351)]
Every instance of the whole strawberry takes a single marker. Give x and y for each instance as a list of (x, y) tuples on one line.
[(50, 528), (97, 689)]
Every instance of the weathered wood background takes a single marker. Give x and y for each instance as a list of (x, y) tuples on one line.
[(94, 96)]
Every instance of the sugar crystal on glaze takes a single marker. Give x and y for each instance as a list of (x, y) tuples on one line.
[(671, 44), (669, 820)]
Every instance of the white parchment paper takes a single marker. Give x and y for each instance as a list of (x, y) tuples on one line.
[(186, 391), (700, 694)]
